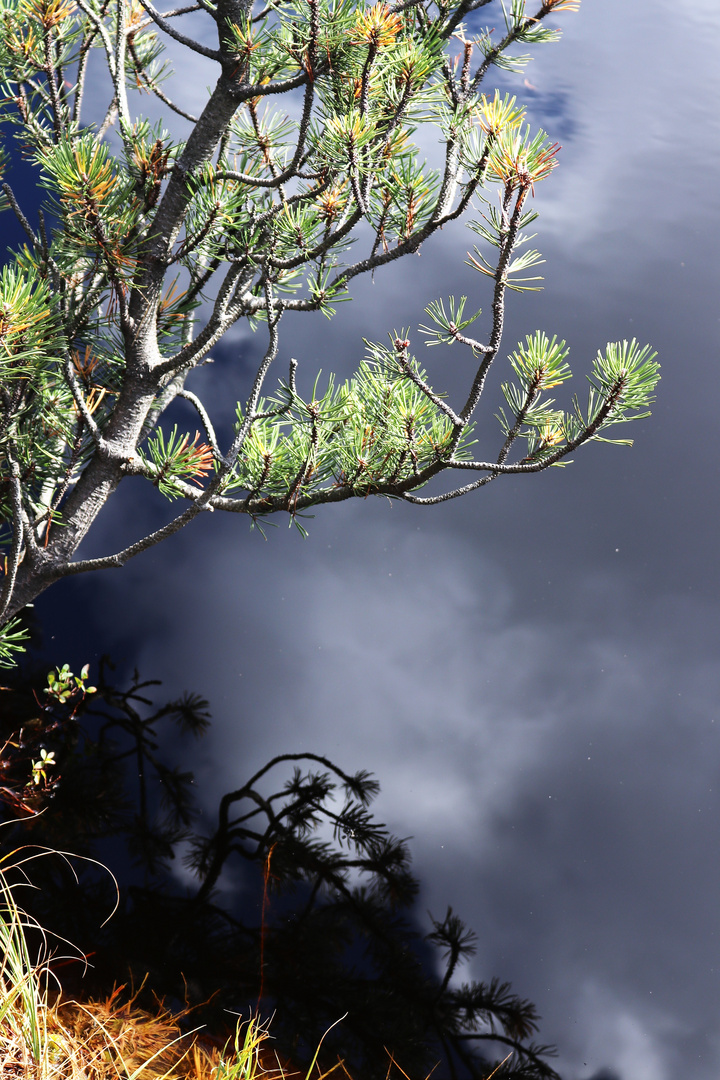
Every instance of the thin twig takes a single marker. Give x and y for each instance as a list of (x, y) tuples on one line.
[(203, 50), (10, 196), (203, 414)]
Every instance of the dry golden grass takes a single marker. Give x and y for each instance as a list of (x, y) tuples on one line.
[(46, 1037), (114, 1039)]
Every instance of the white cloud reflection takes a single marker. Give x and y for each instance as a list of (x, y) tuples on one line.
[(558, 774), (539, 708)]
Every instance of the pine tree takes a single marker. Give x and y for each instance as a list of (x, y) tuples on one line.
[(297, 175)]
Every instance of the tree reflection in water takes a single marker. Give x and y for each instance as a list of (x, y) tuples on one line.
[(300, 902)]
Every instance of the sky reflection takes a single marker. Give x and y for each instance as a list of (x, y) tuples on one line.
[(531, 673)]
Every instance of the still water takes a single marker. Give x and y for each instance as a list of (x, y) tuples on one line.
[(532, 673)]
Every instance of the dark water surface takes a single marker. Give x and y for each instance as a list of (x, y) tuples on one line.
[(532, 673)]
